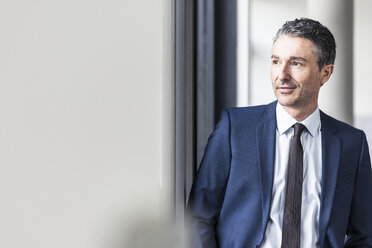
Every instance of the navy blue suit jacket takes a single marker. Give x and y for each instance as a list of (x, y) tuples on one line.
[(230, 198)]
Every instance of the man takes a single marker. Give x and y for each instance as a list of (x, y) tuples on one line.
[(286, 174)]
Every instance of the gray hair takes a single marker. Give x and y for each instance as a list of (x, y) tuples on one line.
[(312, 30)]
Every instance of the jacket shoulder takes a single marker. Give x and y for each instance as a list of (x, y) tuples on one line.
[(251, 113), (337, 125)]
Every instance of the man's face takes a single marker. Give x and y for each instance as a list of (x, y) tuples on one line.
[(295, 74)]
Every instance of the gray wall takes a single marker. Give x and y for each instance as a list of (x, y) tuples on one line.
[(81, 118), (362, 71), (362, 55)]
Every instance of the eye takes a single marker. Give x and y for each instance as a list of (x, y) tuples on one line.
[(275, 62), (294, 63)]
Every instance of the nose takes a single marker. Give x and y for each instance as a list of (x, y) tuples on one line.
[(284, 73)]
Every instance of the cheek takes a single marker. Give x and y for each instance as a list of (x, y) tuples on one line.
[(310, 86), (273, 75)]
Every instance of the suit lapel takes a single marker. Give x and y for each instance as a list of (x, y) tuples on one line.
[(331, 150), (265, 135)]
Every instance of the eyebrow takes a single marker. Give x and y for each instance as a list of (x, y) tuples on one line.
[(291, 58)]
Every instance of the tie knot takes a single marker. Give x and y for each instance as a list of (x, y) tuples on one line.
[(298, 129)]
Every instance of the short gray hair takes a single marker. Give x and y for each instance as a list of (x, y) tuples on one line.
[(312, 30)]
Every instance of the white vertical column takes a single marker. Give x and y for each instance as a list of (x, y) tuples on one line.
[(242, 52), (336, 96)]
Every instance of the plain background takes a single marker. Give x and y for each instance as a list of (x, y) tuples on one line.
[(81, 112)]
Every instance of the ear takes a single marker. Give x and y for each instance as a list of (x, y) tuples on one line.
[(326, 73)]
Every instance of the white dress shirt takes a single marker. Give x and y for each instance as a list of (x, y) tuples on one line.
[(311, 189)]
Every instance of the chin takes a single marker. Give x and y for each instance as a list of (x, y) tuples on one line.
[(284, 101)]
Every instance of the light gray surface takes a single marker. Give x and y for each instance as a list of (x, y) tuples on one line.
[(80, 120), (362, 55)]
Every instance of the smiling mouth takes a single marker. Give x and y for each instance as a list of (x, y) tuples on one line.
[(286, 89)]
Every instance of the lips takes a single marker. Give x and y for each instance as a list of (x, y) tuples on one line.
[(286, 89), (286, 86)]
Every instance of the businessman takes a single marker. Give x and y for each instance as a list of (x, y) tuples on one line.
[(286, 174)]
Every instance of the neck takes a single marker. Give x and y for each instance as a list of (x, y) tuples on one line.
[(300, 114)]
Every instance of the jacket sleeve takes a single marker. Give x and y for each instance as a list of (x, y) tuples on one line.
[(208, 191), (360, 224)]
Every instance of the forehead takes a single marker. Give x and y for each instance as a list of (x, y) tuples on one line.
[(289, 46)]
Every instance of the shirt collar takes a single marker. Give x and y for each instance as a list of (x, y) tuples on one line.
[(284, 121)]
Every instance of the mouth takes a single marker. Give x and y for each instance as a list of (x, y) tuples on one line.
[(286, 89)]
